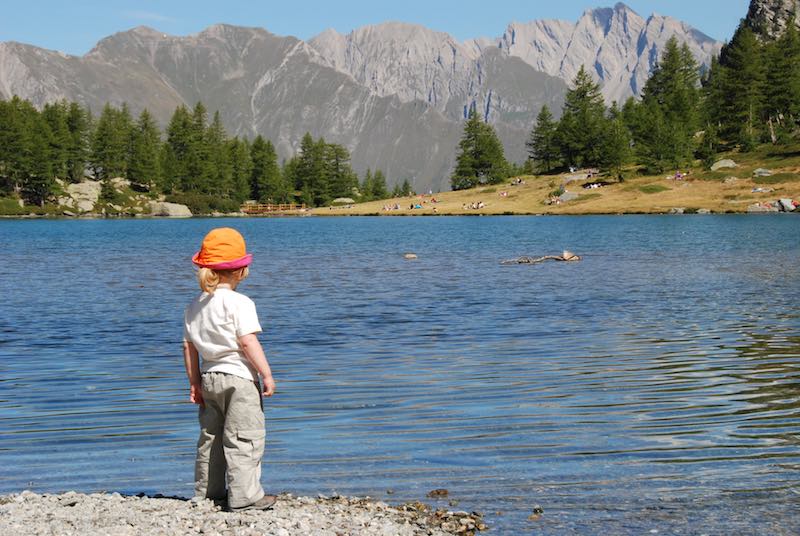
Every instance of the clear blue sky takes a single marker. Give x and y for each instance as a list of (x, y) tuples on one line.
[(75, 26)]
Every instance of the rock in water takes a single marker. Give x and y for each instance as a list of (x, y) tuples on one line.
[(410, 256)]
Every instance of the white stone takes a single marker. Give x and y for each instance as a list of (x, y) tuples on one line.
[(170, 210)]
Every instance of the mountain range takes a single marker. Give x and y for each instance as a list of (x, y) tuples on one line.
[(394, 94)]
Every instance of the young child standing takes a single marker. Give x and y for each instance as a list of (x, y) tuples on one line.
[(221, 327)]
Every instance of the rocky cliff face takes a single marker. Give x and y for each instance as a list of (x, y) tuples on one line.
[(770, 17), (418, 64), (394, 94), (618, 45)]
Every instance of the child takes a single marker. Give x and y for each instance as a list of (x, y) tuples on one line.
[(221, 326)]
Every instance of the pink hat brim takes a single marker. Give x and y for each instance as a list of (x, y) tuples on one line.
[(227, 265)]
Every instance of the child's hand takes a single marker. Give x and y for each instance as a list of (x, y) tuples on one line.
[(268, 389), (196, 394)]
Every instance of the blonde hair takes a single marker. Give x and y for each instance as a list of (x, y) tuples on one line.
[(209, 278)]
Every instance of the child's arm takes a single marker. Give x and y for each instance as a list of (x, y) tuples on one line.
[(191, 360), (255, 355)]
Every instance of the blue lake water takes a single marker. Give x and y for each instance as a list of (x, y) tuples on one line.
[(655, 385)]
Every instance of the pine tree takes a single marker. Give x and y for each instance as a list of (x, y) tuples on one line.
[(143, 162), (366, 186), (79, 124), (13, 136), (480, 159), (199, 168), (266, 180), (616, 142), (782, 88), (465, 174), (405, 188), (743, 89), (311, 173), (55, 115), (342, 180), (672, 94), (241, 168), (175, 156), (221, 171), (582, 124), (379, 190), (541, 145), (111, 145)]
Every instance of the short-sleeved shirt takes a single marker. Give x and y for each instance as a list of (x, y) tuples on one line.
[(214, 322)]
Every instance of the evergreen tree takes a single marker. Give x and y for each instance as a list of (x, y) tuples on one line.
[(379, 189), (616, 142), (55, 115), (582, 124), (480, 159), (175, 155), (241, 168), (541, 145), (366, 186), (405, 188), (312, 170), (743, 88), (671, 97), (342, 180), (37, 174), (199, 168), (79, 124), (143, 162), (111, 143), (13, 138), (266, 180), (221, 171), (782, 88)]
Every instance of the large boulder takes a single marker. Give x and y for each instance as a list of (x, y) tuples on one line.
[(724, 164), (762, 207), (787, 205), (761, 172), (82, 196), (169, 210), (568, 196)]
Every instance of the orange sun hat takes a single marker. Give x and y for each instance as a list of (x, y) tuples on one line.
[(223, 249)]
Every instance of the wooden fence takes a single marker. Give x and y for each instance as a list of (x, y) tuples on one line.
[(270, 208)]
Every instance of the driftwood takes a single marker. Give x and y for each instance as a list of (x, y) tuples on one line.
[(567, 256)]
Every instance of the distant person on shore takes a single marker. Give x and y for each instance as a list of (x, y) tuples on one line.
[(221, 327)]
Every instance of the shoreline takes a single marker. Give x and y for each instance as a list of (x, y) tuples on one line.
[(111, 513)]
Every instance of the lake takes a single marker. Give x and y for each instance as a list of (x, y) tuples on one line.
[(653, 386)]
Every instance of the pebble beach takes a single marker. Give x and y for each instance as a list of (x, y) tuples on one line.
[(72, 513)]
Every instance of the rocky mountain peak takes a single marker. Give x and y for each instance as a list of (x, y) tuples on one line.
[(770, 17), (617, 45)]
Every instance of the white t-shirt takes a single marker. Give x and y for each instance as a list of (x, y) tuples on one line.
[(214, 323)]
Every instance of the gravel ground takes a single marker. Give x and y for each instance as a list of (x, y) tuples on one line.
[(114, 514)]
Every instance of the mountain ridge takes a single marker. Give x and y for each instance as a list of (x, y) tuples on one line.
[(395, 94)]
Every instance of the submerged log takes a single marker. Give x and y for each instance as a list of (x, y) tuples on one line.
[(567, 256)]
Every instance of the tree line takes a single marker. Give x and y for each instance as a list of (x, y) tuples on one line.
[(749, 95), (193, 157)]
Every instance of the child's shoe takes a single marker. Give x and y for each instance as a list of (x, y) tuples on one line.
[(264, 503)]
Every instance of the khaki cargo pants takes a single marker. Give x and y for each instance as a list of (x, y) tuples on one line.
[(231, 442)]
